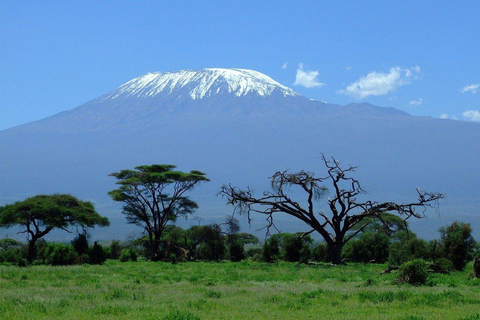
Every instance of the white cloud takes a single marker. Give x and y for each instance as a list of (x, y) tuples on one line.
[(348, 68), (284, 66), (379, 83), (472, 88), (473, 115), (308, 79), (416, 102), (444, 116)]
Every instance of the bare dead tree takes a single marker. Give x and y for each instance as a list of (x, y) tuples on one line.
[(346, 211)]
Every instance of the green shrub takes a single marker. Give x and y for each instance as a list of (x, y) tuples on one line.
[(321, 253), (413, 272), (59, 254), (115, 250), (445, 265), (295, 248), (12, 255), (458, 243), (128, 254), (213, 244), (80, 244), (97, 254), (407, 250), (236, 251), (252, 252), (271, 250), (369, 246)]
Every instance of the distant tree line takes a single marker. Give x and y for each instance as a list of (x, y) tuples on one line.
[(154, 197), (219, 242)]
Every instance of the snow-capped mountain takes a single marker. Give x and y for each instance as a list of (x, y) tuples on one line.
[(238, 126), (201, 84), (151, 99)]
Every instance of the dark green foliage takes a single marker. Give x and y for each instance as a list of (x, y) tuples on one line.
[(59, 254), (445, 265), (388, 223), (213, 244), (321, 253), (458, 243), (115, 249), (9, 243), (287, 246), (97, 254), (435, 250), (40, 214), (271, 250), (295, 248), (128, 254), (236, 251), (254, 253), (154, 196), (413, 272), (370, 246), (407, 249), (172, 244), (80, 244), (11, 251)]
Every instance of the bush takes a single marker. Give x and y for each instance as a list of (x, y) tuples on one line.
[(128, 255), (212, 247), (12, 254), (254, 253), (59, 254), (407, 250), (413, 272), (445, 265), (236, 250), (321, 253), (369, 246), (96, 254), (458, 243), (287, 246), (115, 250), (270, 249), (80, 244)]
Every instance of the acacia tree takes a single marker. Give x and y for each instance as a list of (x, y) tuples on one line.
[(153, 196), (346, 212), (41, 214)]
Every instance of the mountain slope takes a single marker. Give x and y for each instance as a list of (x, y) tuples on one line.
[(238, 127)]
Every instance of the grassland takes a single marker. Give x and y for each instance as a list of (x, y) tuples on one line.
[(245, 290)]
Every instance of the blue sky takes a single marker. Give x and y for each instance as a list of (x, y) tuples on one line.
[(418, 56)]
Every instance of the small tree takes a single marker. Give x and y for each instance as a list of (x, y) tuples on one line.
[(271, 250), (154, 196), (458, 243), (97, 254), (80, 244), (346, 212), (213, 245), (369, 247), (115, 249), (41, 214)]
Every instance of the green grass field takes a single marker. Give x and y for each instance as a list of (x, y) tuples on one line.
[(245, 290)]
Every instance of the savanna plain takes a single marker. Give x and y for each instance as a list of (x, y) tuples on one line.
[(229, 290)]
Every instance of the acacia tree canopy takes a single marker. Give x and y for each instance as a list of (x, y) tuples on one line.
[(41, 214), (346, 213), (153, 196)]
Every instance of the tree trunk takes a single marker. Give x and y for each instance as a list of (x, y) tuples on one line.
[(31, 250), (155, 247), (336, 252)]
